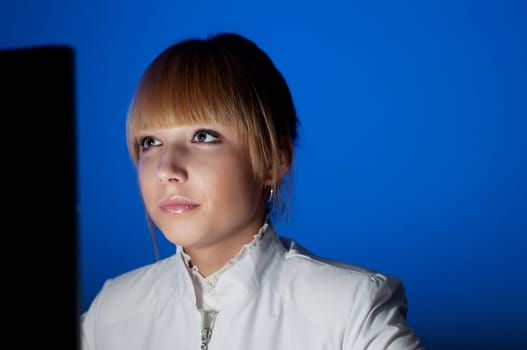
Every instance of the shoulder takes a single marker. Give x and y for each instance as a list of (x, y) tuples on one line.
[(336, 273), (333, 287), (135, 290), (150, 275), (368, 307), (128, 302)]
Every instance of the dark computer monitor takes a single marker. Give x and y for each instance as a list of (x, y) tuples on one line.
[(37, 104)]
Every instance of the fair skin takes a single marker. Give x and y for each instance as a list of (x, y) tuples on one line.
[(199, 189)]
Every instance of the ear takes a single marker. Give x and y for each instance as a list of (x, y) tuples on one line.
[(285, 160), (286, 156)]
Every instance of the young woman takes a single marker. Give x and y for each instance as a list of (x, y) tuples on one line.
[(212, 129)]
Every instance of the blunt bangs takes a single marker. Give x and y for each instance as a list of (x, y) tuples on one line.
[(189, 86)]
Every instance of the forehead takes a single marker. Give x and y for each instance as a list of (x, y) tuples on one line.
[(183, 88), (159, 122), (155, 108)]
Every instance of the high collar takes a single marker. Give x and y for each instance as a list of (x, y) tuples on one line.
[(243, 274), (212, 279)]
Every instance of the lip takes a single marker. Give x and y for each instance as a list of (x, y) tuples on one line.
[(177, 205)]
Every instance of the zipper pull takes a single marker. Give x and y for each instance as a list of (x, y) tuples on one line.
[(207, 324)]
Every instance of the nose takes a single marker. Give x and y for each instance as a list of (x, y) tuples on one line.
[(171, 168)]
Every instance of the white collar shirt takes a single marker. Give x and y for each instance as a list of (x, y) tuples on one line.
[(274, 295)]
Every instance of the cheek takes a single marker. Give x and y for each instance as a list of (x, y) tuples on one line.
[(141, 175), (144, 178), (236, 186)]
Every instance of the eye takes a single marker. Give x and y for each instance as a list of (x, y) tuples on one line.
[(206, 136), (148, 142)]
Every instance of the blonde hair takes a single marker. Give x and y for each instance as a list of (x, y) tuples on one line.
[(225, 79)]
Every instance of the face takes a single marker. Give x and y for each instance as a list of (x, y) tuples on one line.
[(198, 186)]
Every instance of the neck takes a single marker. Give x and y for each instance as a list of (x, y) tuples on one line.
[(212, 258)]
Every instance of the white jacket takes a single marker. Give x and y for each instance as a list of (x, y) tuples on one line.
[(276, 297)]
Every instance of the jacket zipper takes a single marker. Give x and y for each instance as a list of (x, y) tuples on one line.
[(207, 324)]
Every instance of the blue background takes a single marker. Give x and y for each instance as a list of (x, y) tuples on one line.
[(412, 151)]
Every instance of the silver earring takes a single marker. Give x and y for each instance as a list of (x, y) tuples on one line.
[(270, 195)]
